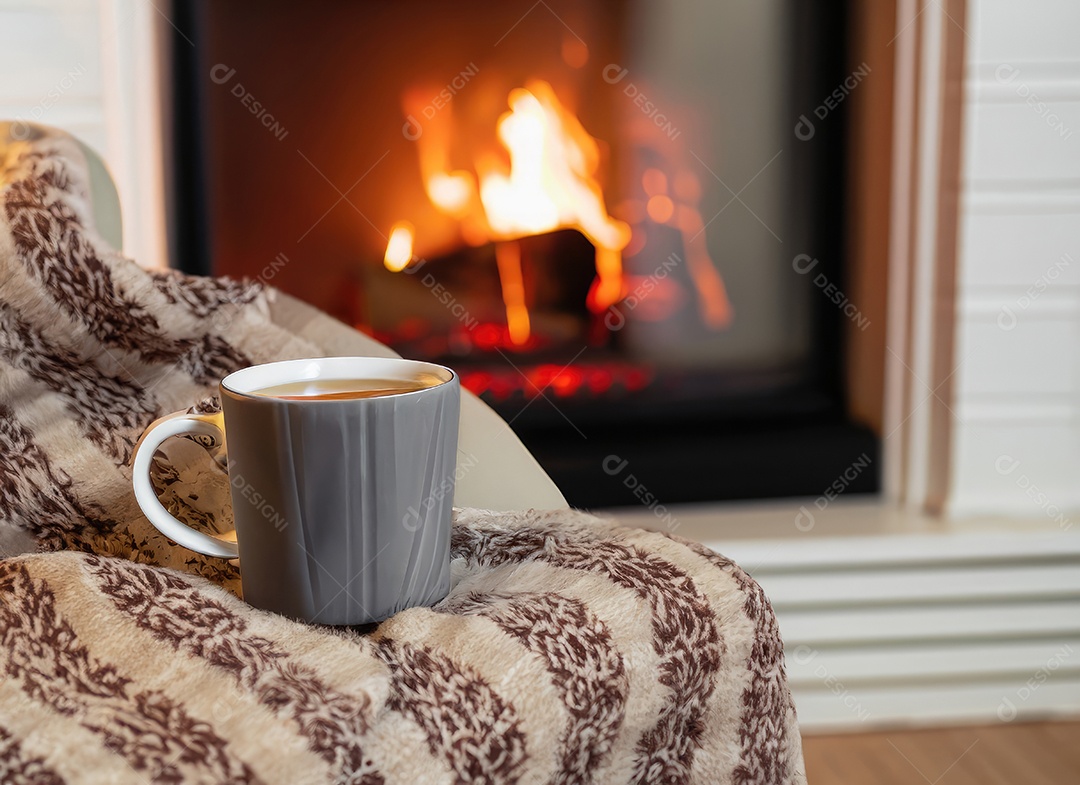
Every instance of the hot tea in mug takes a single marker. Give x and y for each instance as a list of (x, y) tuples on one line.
[(353, 456)]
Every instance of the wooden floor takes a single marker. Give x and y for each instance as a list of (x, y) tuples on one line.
[(1017, 754)]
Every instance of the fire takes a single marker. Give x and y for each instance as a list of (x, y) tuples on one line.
[(552, 179), (508, 257), (550, 182)]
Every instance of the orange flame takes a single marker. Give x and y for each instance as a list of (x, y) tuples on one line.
[(552, 179), (550, 184), (508, 257), (399, 248)]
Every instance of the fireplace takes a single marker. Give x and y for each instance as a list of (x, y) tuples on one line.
[(589, 210)]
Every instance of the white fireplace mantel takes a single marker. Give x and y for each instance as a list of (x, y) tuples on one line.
[(983, 374)]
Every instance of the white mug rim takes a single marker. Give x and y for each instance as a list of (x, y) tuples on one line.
[(246, 382)]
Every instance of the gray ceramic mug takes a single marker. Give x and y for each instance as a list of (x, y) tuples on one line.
[(342, 507)]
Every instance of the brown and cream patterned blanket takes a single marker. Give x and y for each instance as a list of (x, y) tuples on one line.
[(569, 650)]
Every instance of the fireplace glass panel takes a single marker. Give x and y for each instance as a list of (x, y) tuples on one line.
[(588, 209)]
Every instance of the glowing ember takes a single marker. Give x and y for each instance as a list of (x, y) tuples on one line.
[(564, 382), (399, 249), (508, 256)]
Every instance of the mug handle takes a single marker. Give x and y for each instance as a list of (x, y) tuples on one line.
[(206, 425)]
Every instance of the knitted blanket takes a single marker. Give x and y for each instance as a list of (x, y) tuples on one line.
[(569, 650)]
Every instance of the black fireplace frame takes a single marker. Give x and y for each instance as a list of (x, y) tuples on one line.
[(794, 441)]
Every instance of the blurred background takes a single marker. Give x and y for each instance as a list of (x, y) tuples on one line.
[(798, 281)]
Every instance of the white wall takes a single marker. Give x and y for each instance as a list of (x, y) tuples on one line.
[(50, 66), (90, 68), (1016, 432)]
